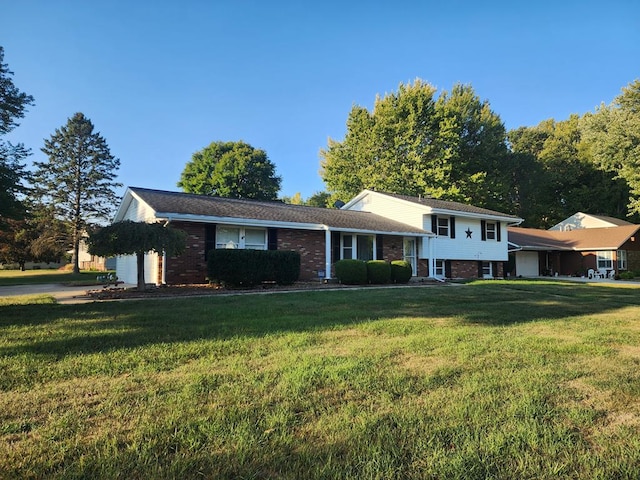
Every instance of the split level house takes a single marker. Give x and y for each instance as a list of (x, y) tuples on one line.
[(440, 239), (581, 245)]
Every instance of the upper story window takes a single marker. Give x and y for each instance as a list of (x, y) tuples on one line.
[(443, 226), (490, 230)]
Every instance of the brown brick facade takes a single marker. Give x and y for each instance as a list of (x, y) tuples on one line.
[(311, 246), (190, 267)]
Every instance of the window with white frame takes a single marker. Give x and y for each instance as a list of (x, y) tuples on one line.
[(487, 271), (440, 270), (361, 247), (605, 260), (443, 227), (622, 259), (241, 237), (490, 231)]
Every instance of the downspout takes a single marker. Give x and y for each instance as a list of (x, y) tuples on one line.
[(327, 253), (164, 258)]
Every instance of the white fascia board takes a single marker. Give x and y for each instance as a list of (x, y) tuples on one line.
[(124, 205), (356, 199), (482, 216), (187, 217), (184, 217)]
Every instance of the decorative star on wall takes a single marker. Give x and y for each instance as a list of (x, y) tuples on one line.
[(468, 232)]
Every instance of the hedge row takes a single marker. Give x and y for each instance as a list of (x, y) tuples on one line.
[(246, 268), (358, 272)]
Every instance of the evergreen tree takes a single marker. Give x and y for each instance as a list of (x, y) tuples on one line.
[(13, 105), (78, 180)]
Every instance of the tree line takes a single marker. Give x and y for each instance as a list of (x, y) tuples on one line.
[(455, 147), (415, 141)]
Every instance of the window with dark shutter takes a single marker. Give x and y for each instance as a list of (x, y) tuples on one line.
[(498, 231), (483, 230), (434, 224), (447, 268), (379, 248), (452, 227)]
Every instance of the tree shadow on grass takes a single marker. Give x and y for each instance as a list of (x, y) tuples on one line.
[(103, 327)]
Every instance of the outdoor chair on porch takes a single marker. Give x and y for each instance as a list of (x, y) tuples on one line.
[(591, 273)]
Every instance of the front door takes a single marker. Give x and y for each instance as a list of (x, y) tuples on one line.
[(409, 252)]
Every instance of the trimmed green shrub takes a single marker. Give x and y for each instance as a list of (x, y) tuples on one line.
[(378, 271), (627, 275), (401, 271), (286, 266), (246, 268), (351, 272)]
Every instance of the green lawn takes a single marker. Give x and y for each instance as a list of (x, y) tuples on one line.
[(30, 277), (503, 380)]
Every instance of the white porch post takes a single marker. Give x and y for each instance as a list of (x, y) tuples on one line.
[(327, 254), (432, 257)]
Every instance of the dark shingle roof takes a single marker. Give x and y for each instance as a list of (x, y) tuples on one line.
[(165, 203), (448, 205), (608, 238)]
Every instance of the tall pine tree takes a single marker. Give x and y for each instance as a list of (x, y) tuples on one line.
[(78, 180), (13, 105)]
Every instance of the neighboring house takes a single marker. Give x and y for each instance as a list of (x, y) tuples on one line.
[(471, 242), (439, 238), (575, 252), (585, 220)]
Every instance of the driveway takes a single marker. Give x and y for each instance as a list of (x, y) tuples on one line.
[(62, 293)]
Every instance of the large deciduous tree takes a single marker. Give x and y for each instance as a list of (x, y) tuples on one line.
[(231, 169), (136, 238), (613, 134), (78, 180), (13, 105), (415, 143)]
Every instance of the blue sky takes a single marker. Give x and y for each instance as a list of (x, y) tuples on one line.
[(163, 79)]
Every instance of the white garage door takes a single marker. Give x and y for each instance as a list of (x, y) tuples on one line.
[(527, 264)]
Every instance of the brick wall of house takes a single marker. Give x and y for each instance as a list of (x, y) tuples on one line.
[(190, 267), (311, 246)]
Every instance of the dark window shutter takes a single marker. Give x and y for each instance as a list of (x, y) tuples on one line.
[(494, 269), (483, 230), (479, 269), (272, 239), (452, 227), (498, 231), (434, 224), (379, 249), (335, 246), (209, 239), (447, 268)]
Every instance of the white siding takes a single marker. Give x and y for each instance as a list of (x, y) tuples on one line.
[(463, 248), (126, 268), (392, 208), (527, 264)]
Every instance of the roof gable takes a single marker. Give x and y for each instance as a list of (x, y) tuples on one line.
[(204, 208), (580, 220)]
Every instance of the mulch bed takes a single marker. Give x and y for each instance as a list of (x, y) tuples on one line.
[(115, 293)]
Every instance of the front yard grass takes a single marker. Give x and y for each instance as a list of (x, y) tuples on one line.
[(488, 380), (32, 277)]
